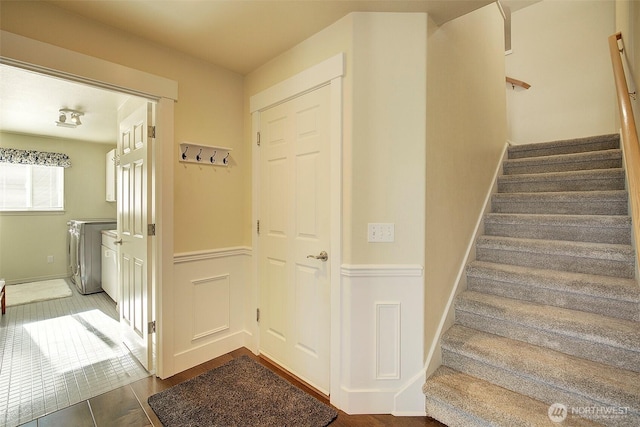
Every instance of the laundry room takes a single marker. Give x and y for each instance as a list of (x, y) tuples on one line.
[(34, 244), (47, 122)]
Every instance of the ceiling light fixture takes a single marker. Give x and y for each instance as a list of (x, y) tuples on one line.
[(69, 118)]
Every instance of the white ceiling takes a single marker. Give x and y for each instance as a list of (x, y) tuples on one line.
[(29, 104), (239, 35)]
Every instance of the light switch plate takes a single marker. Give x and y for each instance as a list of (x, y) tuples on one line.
[(378, 232)]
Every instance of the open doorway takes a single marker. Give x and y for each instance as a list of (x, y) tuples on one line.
[(60, 351)]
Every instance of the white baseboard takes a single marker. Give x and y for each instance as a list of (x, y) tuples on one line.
[(36, 279), (195, 356)]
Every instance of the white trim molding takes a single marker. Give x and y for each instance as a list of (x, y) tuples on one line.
[(382, 270), (383, 339), (34, 55), (211, 254), (306, 81)]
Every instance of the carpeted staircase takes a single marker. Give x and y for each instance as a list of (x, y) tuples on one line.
[(551, 313)]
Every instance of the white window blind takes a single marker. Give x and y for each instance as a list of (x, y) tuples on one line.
[(31, 187)]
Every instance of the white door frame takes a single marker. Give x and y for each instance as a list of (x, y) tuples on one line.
[(328, 72), (33, 55)]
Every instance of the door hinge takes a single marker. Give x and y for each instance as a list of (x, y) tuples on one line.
[(258, 227), (258, 139), (152, 131), (257, 315), (151, 230), (151, 327)]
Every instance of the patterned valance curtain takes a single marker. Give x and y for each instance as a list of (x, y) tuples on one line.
[(32, 157)]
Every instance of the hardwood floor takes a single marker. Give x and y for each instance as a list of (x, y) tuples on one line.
[(127, 406)]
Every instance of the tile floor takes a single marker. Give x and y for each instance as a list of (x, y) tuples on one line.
[(127, 405), (56, 353)]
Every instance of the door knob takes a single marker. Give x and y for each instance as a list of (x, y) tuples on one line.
[(322, 256), (118, 242)]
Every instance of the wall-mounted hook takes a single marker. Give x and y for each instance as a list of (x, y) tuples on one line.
[(208, 154)]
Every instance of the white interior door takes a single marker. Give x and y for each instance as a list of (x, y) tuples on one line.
[(294, 288), (134, 214)]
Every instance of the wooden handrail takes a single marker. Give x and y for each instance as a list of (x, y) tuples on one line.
[(630, 142), (516, 82)]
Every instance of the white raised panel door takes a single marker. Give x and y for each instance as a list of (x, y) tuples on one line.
[(294, 288), (133, 203), (110, 176)]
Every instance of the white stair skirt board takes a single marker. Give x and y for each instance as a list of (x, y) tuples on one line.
[(25, 293)]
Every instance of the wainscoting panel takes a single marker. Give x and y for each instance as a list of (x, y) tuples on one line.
[(211, 304), (388, 341), (382, 339), (205, 320)]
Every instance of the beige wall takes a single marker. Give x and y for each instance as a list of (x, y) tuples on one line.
[(28, 239), (628, 23), (209, 202), (560, 48), (466, 133), (383, 133), (387, 168)]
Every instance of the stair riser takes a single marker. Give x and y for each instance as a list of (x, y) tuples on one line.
[(542, 167), (606, 207), (612, 308), (539, 150), (540, 336), (508, 186), (532, 387), (581, 233), (575, 264)]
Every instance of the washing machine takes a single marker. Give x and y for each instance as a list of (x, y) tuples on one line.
[(85, 253)]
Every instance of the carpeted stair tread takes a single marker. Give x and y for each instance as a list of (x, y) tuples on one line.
[(567, 146), (587, 335), (612, 202), (460, 400), (585, 228), (592, 258), (603, 159), (589, 180), (551, 313), (541, 373), (606, 295)]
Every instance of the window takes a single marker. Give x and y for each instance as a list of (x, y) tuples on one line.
[(31, 187)]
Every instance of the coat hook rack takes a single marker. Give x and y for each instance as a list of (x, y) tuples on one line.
[(204, 154)]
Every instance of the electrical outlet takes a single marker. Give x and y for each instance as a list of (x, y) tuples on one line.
[(50, 259), (380, 232)]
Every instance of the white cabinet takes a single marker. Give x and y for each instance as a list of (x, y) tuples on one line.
[(110, 264), (111, 176)]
